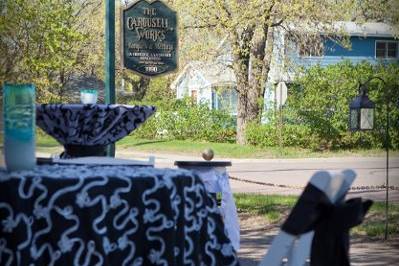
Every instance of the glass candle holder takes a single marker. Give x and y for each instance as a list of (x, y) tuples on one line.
[(88, 96), (19, 126)]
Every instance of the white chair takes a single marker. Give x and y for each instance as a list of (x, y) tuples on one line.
[(294, 250)]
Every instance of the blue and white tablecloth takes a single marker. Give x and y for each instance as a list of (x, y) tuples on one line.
[(216, 179), (85, 129), (109, 215)]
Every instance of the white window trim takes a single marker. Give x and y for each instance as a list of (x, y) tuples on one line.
[(310, 56), (298, 51), (386, 51)]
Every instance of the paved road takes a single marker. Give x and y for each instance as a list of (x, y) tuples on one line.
[(296, 172), (371, 171)]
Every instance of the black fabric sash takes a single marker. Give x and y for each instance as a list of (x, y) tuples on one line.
[(72, 151), (331, 223)]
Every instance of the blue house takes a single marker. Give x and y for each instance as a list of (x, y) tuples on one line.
[(213, 83), (370, 42)]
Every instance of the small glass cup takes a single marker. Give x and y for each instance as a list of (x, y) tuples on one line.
[(88, 96)]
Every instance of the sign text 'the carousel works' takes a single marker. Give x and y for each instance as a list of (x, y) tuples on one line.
[(149, 38)]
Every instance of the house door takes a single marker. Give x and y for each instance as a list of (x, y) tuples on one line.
[(194, 96)]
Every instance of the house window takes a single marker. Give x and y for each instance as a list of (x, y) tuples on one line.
[(225, 98), (311, 47), (386, 49)]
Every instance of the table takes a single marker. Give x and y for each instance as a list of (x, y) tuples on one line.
[(216, 180), (86, 129), (109, 215)]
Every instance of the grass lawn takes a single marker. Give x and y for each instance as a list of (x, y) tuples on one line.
[(230, 150), (374, 225), (222, 150), (276, 208), (47, 144), (46, 141), (272, 207)]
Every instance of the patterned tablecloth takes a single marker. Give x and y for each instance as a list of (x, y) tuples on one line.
[(109, 215), (216, 180), (85, 129)]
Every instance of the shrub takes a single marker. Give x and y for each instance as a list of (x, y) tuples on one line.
[(261, 135), (321, 96), (181, 119), (291, 135)]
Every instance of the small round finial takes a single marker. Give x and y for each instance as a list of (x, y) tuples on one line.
[(208, 154)]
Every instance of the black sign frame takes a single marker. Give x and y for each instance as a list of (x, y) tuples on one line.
[(146, 69)]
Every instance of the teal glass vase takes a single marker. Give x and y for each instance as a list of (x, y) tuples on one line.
[(19, 126)]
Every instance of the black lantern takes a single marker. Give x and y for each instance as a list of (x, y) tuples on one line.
[(361, 115)]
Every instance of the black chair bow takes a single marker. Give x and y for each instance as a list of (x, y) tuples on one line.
[(331, 223)]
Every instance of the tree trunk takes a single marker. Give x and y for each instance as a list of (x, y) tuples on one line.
[(242, 119), (139, 87), (251, 72), (247, 106), (246, 113)]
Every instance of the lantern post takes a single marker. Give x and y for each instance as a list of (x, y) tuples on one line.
[(361, 118)]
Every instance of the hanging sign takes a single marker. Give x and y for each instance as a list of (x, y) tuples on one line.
[(149, 38)]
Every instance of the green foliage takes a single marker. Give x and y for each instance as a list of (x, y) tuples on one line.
[(159, 89), (181, 120), (261, 135), (41, 42), (320, 101), (270, 135), (316, 115)]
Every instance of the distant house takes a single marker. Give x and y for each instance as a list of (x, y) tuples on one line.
[(214, 82), (208, 83)]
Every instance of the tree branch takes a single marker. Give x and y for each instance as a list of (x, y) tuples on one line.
[(204, 26), (229, 15), (86, 4), (277, 23), (223, 7)]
